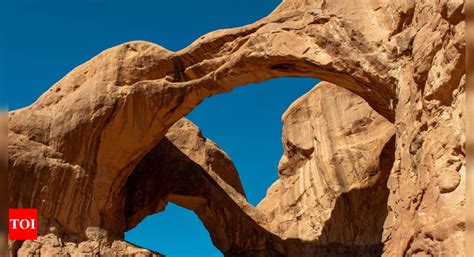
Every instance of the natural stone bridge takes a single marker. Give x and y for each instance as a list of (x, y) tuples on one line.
[(102, 148)]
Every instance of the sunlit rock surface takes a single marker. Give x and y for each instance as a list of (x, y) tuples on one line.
[(337, 158), (74, 150)]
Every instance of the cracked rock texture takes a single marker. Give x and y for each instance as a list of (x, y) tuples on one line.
[(77, 149)]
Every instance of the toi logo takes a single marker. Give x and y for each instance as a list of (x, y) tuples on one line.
[(23, 224)]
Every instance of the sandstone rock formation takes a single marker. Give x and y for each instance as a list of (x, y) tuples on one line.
[(184, 168), (98, 243), (335, 167), (193, 172), (77, 146)]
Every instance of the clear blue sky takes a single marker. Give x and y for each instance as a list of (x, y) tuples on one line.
[(41, 40)]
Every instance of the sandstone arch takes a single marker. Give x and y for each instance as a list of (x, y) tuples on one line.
[(406, 59), (171, 172)]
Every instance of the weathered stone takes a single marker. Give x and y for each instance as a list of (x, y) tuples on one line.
[(76, 147), (337, 158)]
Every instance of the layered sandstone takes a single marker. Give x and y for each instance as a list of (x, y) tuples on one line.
[(76, 147)]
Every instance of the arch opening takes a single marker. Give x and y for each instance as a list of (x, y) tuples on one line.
[(166, 173), (247, 124), (175, 232)]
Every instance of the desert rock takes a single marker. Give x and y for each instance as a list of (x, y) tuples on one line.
[(75, 148), (337, 158)]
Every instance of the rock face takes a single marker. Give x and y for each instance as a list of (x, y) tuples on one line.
[(183, 168), (78, 150), (98, 244), (337, 158)]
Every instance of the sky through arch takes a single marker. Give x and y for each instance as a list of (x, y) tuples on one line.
[(42, 40)]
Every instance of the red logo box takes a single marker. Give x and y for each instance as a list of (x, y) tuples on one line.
[(22, 224)]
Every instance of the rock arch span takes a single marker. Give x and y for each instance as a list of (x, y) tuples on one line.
[(406, 59), (190, 171)]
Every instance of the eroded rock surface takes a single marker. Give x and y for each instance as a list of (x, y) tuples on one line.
[(332, 189), (75, 148), (98, 243), (333, 143), (184, 168)]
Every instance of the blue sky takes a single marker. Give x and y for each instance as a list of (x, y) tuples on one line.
[(40, 41)]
